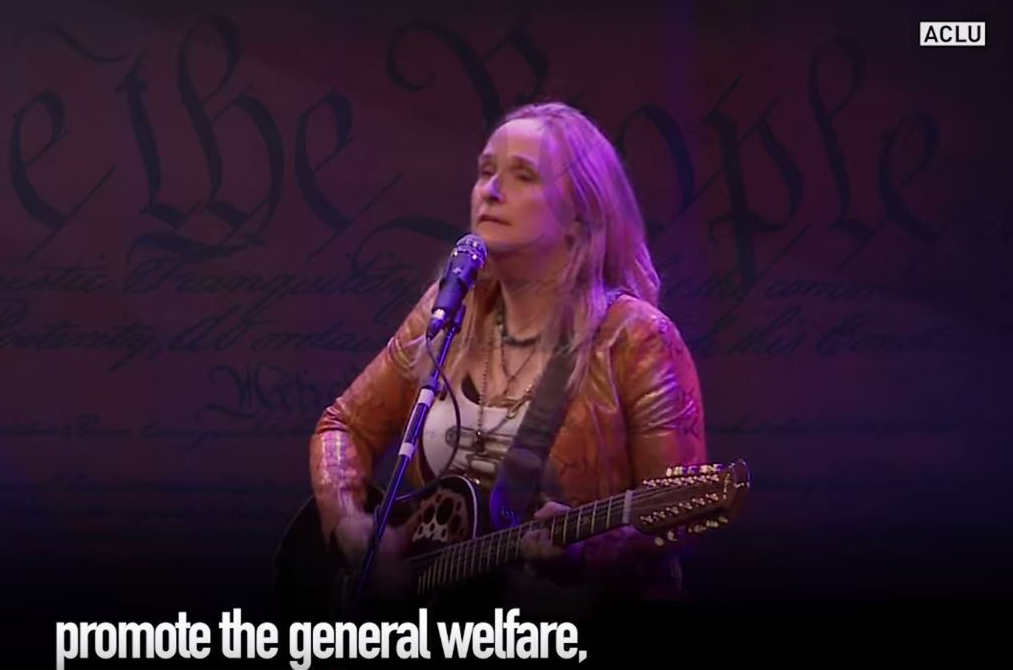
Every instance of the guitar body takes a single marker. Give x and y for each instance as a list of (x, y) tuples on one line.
[(314, 580), (454, 512)]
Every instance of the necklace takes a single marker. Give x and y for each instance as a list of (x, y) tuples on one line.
[(511, 378), (507, 338), (480, 434)]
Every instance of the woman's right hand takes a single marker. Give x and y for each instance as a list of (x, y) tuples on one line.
[(353, 533)]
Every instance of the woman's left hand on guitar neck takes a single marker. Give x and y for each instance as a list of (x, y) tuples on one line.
[(599, 552), (536, 545)]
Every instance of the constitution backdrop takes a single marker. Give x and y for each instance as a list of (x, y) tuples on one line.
[(213, 214)]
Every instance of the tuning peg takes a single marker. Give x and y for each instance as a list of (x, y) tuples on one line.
[(671, 536)]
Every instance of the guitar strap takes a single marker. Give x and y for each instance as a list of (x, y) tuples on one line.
[(520, 473)]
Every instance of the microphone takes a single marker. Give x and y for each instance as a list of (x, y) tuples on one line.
[(465, 261)]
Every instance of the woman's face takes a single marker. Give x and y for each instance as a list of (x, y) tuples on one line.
[(519, 202)]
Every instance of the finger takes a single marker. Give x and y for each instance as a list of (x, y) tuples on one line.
[(526, 551), (547, 549), (537, 545), (395, 540), (551, 508), (531, 546)]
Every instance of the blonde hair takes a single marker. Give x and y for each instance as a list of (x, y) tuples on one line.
[(609, 251)]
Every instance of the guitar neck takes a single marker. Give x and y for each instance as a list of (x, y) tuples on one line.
[(462, 561)]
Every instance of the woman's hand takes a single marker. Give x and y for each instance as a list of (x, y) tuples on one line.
[(353, 532), (615, 557), (536, 545)]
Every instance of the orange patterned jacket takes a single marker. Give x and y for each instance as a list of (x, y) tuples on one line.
[(638, 411)]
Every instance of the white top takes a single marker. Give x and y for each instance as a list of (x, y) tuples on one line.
[(478, 464), (481, 464)]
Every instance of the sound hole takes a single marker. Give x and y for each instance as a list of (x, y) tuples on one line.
[(444, 511)]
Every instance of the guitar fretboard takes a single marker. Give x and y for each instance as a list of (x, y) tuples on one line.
[(462, 561)]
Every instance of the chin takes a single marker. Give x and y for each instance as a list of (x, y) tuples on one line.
[(505, 240), (494, 235), (501, 244)]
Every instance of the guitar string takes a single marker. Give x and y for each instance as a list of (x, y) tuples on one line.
[(459, 566), (483, 548), (643, 496), (489, 538), (458, 563)]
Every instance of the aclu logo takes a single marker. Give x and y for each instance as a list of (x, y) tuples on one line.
[(951, 33)]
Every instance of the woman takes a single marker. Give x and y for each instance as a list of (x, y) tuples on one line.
[(565, 237)]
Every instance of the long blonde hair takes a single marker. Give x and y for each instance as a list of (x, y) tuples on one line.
[(609, 251)]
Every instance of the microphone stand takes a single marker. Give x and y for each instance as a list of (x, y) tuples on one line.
[(409, 444)]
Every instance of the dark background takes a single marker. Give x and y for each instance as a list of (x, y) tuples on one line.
[(214, 214)]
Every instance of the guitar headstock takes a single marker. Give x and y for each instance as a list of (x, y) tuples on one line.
[(694, 498)]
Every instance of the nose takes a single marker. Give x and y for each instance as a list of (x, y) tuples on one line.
[(490, 190)]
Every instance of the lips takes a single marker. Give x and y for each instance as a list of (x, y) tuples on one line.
[(491, 219)]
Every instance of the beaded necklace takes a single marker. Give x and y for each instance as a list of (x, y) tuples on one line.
[(481, 435)]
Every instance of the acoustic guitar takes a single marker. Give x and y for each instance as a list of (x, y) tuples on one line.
[(449, 545)]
